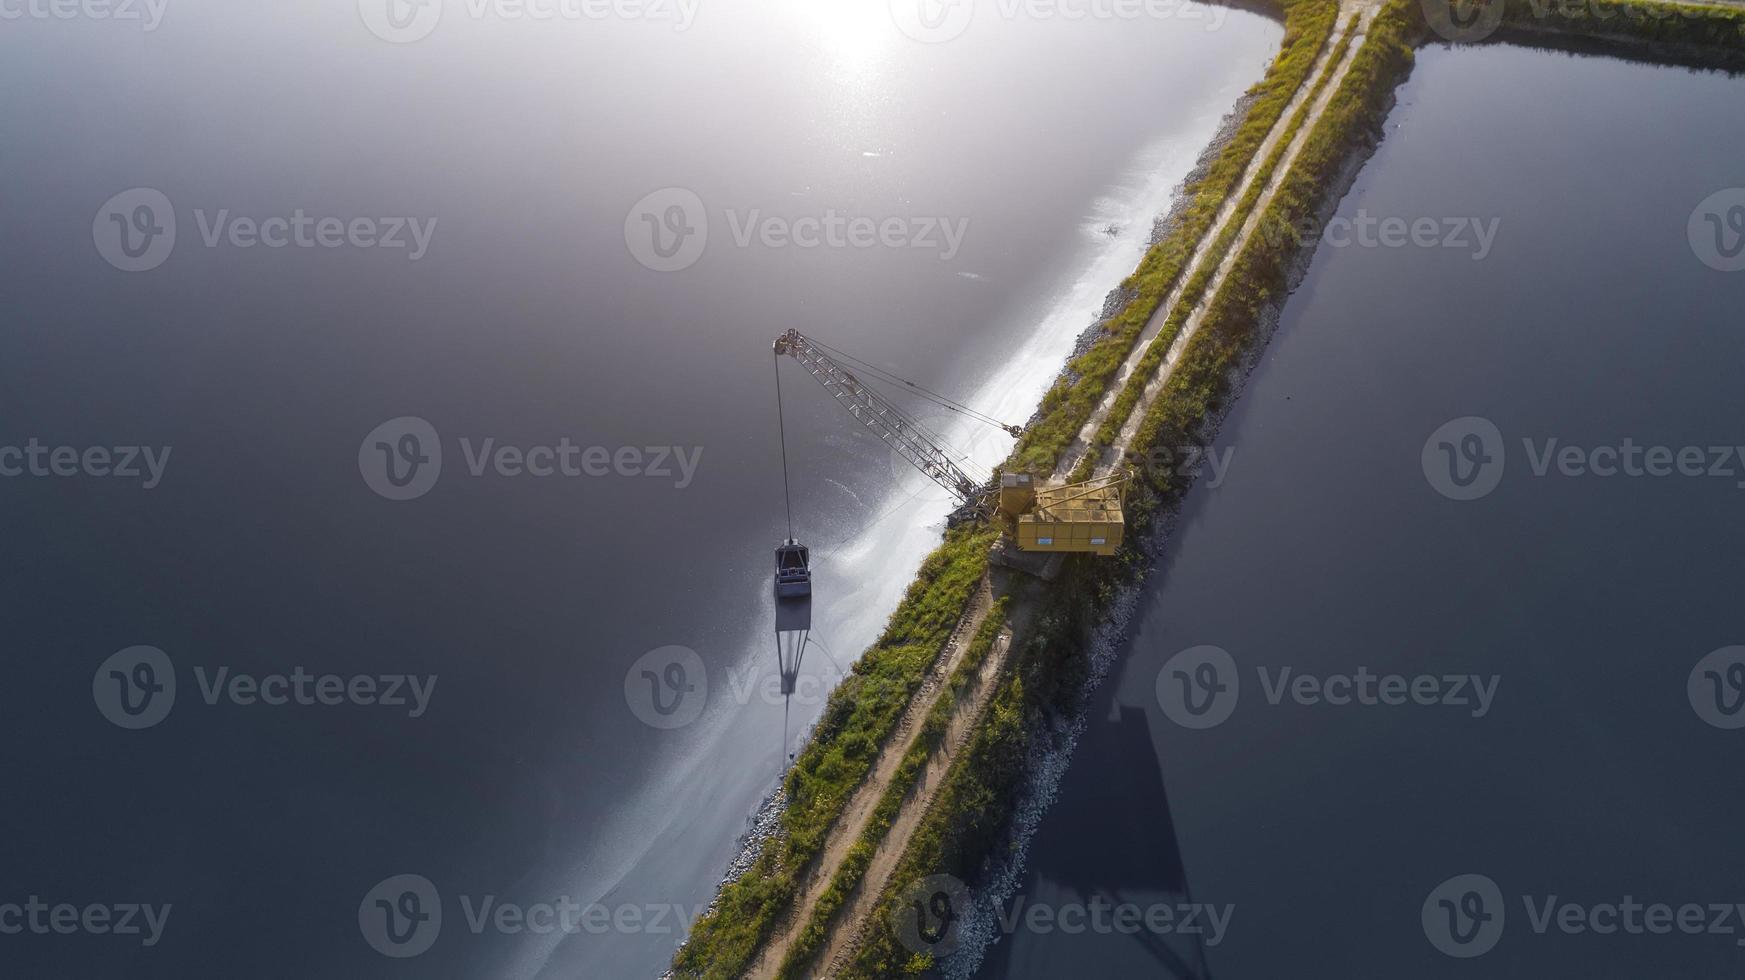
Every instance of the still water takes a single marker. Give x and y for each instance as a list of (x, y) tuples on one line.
[(508, 155), (1588, 778)]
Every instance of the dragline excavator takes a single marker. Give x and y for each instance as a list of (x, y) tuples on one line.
[(1079, 517)]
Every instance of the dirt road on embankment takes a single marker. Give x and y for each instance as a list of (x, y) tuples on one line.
[(859, 811)]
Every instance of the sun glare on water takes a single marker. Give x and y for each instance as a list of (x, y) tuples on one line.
[(854, 35)]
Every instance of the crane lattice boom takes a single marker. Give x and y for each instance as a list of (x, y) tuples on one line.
[(886, 420)]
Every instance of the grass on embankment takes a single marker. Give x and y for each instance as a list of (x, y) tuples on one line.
[(853, 868), (1071, 400), (1681, 24), (857, 720), (1148, 365), (971, 818), (972, 810), (1200, 385)]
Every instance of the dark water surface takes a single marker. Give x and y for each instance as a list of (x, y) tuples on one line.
[(528, 778), (1590, 600)]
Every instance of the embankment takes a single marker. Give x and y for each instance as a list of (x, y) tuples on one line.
[(970, 832), (1072, 399), (863, 711)]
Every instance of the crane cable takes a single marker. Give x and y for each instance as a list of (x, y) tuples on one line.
[(976, 470), (926, 393), (936, 440), (782, 428)]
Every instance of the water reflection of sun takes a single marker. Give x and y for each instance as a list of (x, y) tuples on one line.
[(853, 47), (854, 36)]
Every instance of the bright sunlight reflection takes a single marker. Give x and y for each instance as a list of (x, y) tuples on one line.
[(856, 35)]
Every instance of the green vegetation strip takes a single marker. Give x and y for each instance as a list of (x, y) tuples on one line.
[(857, 720), (1697, 25), (854, 866), (972, 809), (971, 817), (1069, 403), (1148, 366), (1200, 383)]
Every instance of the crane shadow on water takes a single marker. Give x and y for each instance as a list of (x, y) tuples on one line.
[(1111, 838)]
